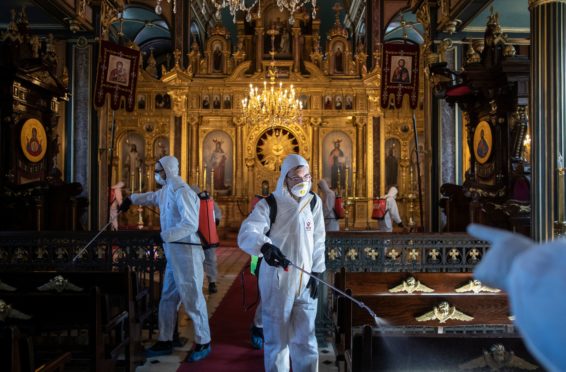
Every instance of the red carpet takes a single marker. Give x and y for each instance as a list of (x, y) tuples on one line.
[(230, 328)]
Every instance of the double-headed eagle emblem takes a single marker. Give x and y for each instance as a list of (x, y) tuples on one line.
[(498, 359), (444, 312), (7, 311), (411, 285), (476, 286), (59, 284)]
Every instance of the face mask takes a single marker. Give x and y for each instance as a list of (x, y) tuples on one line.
[(301, 189), (159, 180)]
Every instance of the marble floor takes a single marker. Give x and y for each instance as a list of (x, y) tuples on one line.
[(231, 260)]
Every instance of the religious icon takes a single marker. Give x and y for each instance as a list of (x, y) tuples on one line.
[(166, 101), (328, 102), (119, 70), (33, 140), (304, 101), (337, 161), (349, 104), (141, 101), (392, 147), (401, 74), (217, 57), (339, 58), (482, 142), (216, 102), (217, 154), (338, 102), (159, 101), (205, 102), (227, 102)]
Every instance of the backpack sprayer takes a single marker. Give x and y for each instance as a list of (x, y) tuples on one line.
[(96, 236)]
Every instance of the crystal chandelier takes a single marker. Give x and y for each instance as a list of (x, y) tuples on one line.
[(276, 106), (293, 5), (233, 6)]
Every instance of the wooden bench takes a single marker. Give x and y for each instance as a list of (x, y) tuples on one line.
[(96, 316), (437, 326)]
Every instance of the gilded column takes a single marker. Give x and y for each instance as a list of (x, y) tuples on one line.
[(193, 156), (259, 48), (315, 160), (180, 110), (240, 151), (359, 123), (548, 113), (296, 49), (250, 163)]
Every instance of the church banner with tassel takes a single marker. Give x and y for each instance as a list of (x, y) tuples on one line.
[(400, 74), (117, 75)]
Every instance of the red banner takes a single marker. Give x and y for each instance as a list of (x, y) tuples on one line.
[(117, 75), (400, 74)]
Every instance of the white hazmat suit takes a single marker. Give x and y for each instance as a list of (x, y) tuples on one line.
[(288, 311), (179, 213), (328, 202), (392, 215), (534, 278)]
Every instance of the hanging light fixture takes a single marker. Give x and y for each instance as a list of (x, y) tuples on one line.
[(293, 5), (276, 106), (233, 7)]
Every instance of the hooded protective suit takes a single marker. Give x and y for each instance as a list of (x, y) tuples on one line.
[(288, 311), (179, 207), (386, 225), (534, 278), (328, 201)]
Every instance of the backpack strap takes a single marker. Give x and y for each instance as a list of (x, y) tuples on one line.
[(313, 201), (272, 210)]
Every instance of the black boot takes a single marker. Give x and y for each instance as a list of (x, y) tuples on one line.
[(212, 288)]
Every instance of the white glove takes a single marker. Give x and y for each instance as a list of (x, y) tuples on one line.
[(506, 246)]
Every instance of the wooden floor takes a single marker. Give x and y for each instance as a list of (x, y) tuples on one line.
[(231, 261)]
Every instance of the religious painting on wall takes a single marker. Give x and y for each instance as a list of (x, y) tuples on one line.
[(349, 102), (141, 101), (338, 102), (162, 101), (338, 51), (227, 102), (217, 155), (216, 101), (217, 56), (132, 161), (392, 157), (328, 103), (275, 19), (205, 101), (336, 156), (304, 99), (33, 140), (160, 147)]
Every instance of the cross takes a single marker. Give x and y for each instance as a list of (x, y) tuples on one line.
[(393, 254), (352, 253), (371, 252), (454, 254), (414, 254), (474, 253), (333, 254), (337, 8), (434, 254)]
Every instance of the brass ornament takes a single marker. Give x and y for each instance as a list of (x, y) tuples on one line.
[(444, 312), (475, 286), (59, 284), (7, 311), (497, 359), (411, 285)]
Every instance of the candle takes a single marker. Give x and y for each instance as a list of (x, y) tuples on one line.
[(211, 181), (198, 179), (132, 180), (204, 176), (338, 185), (141, 178), (346, 181)]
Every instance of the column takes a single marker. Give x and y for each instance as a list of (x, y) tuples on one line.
[(547, 111), (315, 160), (239, 151), (78, 159), (259, 48), (360, 124), (193, 156), (296, 49)]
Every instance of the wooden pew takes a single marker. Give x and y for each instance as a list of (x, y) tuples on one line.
[(414, 336), (96, 318)]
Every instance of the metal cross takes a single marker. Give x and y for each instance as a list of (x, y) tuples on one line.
[(434, 253), (393, 254), (333, 254), (352, 253)]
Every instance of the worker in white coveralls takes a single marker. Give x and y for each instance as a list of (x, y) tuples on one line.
[(179, 218), (534, 278), (288, 297), (392, 214)]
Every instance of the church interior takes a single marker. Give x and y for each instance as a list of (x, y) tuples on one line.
[(458, 105)]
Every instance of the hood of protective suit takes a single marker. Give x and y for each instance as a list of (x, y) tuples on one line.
[(171, 166), (324, 186), (392, 193), (290, 162)]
